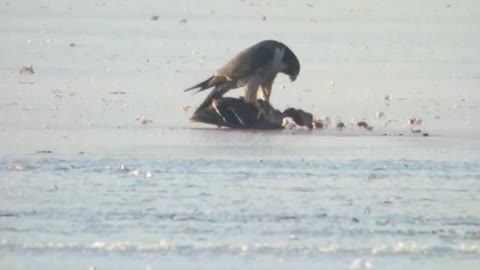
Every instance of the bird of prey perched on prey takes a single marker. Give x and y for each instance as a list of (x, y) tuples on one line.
[(255, 69)]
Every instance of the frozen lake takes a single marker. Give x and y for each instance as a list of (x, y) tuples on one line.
[(85, 185), (262, 206)]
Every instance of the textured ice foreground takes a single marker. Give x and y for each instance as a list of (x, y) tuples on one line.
[(84, 184), (174, 206)]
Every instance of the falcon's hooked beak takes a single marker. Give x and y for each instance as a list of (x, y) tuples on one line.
[(285, 70)]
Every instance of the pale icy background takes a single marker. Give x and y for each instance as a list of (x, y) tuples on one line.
[(116, 194)]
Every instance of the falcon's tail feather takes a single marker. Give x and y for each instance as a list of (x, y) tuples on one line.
[(216, 92), (203, 85)]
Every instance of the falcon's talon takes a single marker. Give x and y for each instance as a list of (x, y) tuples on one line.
[(261, 112)]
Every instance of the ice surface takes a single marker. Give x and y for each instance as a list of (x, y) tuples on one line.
[(85, 185)]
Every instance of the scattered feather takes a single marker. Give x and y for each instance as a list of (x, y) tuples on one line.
[(144, 120), (364, 125), (379, 115), (413, 121), (26, 70), (117, 93), (186, 108)]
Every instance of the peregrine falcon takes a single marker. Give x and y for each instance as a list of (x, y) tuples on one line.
[(255, 69)]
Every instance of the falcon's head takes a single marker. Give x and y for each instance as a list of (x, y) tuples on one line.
[(292, 65), (290, 60)]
